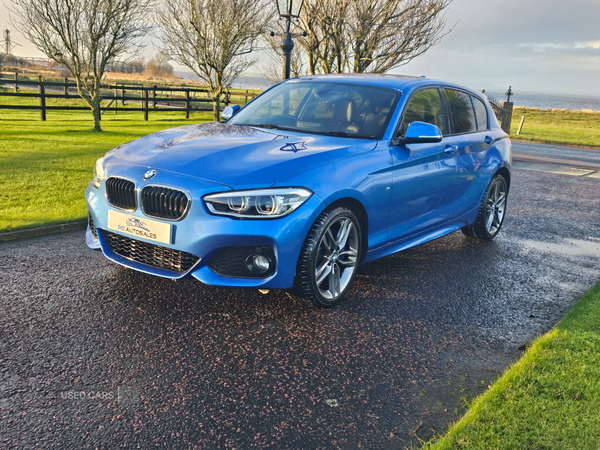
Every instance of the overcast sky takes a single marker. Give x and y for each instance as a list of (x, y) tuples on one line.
[(537, 46), (548, 46)]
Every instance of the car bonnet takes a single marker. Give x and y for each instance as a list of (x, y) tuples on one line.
[(237, 156)]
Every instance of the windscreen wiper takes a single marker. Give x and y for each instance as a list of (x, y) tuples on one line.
[(346, 134), (273, 127), (258, 125)]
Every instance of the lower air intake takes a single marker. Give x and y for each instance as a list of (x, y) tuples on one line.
[(92, 226), (150, 254)]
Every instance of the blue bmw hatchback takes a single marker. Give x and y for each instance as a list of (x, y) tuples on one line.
[(294, 191)]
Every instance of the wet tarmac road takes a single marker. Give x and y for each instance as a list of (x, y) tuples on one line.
[(178, 365), (561, 152)]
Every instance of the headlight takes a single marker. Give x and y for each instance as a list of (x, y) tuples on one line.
[(99, 173), (257, 204)]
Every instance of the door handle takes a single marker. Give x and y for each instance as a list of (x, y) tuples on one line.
[(488, 140), (450, 149)]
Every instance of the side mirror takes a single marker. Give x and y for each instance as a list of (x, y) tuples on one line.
[(420, 133), (230, 111)]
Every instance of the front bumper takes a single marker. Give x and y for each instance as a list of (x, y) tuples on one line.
[(205, 235)]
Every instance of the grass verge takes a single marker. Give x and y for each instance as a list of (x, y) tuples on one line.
[(548, 399), (562, 127), (46, 166)]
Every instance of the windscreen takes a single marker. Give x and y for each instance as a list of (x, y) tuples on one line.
[(322, 107)]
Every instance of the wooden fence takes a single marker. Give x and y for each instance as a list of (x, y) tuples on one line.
[(151, 97)]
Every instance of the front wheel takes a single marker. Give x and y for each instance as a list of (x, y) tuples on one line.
[(491, 212), (329, 258)]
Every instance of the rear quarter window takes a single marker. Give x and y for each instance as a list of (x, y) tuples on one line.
[(481, 114)]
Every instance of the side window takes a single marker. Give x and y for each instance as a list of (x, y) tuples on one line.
[(480, 114), (424, 106), (461, 109)]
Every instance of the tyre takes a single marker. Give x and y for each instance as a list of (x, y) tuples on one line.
[(329, 258), (491, 212)]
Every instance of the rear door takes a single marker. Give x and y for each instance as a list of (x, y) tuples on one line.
[(424, 174), (472, 136)]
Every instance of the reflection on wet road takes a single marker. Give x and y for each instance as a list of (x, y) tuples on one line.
[(96, 355)]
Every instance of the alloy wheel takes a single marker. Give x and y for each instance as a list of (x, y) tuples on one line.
[(337, 258), (496, 206)]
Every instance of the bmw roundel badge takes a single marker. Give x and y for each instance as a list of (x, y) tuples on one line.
[(149, 174)]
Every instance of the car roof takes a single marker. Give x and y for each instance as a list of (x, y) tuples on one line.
[(384, 80)]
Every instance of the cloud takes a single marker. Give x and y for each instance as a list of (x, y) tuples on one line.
[(588, 44)]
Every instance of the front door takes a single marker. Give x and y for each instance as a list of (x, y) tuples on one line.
[(423, 174)]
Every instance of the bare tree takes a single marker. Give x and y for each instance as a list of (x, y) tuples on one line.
[(330, 23), (135, 65), (84, 36), (159, 66), (369, 35), (210, 38), (385, 34)]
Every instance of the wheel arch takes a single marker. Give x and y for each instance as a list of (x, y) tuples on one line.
[(361, 214), (505, 173)]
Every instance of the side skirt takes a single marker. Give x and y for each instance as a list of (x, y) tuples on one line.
[(422, 237)]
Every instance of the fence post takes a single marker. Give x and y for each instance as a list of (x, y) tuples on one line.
[(16, 78), (246, 98), (123, 94), (507, 117), (42, 93), (521, 126), (145, 104), (187, 104), (66, 88), (154, 97)]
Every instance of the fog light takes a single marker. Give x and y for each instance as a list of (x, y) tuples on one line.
[(261, 263)]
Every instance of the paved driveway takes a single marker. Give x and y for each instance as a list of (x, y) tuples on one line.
[(95, 355)]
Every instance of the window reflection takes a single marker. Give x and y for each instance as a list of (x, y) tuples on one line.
[(461, 109)]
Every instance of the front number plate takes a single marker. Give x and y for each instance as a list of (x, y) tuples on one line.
[(134, 226)]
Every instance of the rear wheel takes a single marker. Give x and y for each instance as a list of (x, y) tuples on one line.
[(491, 212), (329, 258)]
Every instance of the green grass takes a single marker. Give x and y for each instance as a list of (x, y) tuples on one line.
[(576, 128), (549, 399), (46, 166)]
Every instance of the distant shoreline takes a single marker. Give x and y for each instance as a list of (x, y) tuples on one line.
[(565, 110), (552, 102)]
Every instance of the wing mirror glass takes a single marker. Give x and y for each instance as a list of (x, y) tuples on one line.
[(420, 133), (230, 111)]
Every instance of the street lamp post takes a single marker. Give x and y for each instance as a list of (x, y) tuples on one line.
[(288, 9)]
